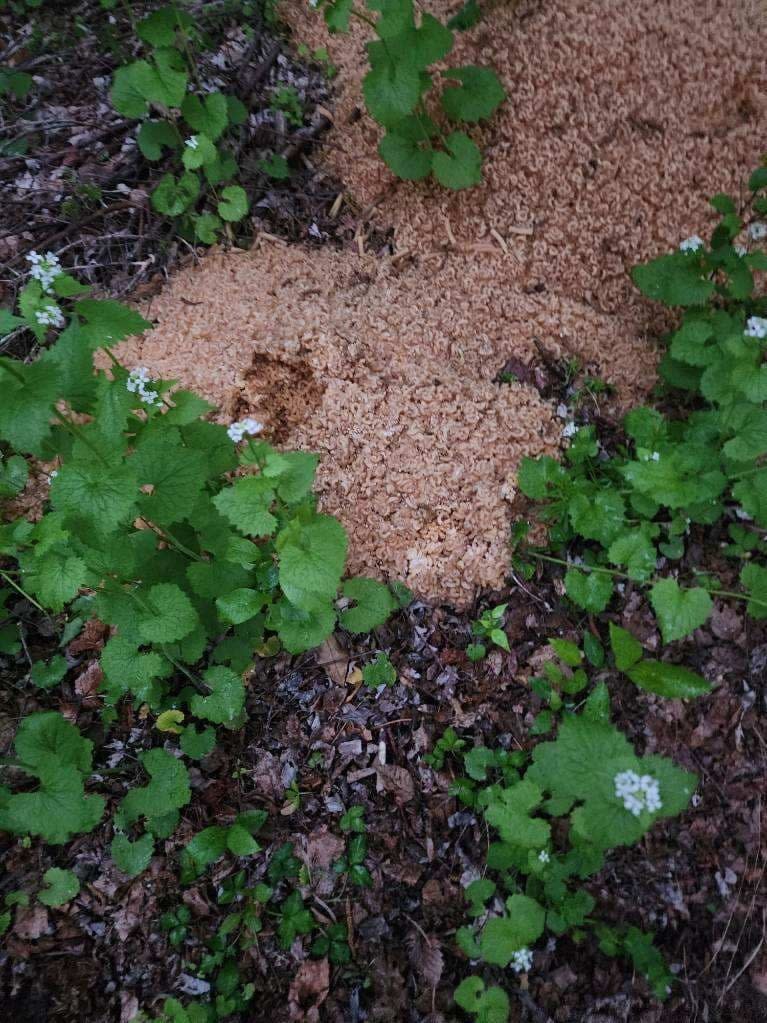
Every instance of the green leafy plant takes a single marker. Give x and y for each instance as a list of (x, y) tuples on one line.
[(614, 517), (488, 627), (200, 548), (379, 672), (395, 91), (590, 778), (162, 89)]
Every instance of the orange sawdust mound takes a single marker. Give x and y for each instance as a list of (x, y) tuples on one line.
[(621, 120)]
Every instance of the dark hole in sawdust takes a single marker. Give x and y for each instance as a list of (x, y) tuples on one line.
[(282, 393)]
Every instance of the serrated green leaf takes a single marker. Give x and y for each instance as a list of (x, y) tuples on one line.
[(391, 90), (54, 578), (176, 474), (404, 156), (48, 675), (197, 744), (233, 204), (200, 152), (27, 405), (626, 649), (538, 477), (156, 136), (674, 280), (226, 701), (169, 616), (168, 789), (670, 680), (240, 842), (597, 516), (159, 28), (300, 629), (635, 550), (241, 605), (490, 1005), (589, 590), (246, 505), (173, 196), (503, 936), (373, 605), (292, 473), (132, 858), (62, 887), (312, 558), (461, 165), (209, 115), (753, 579), (205, 848), (679, 612), (478, 96)]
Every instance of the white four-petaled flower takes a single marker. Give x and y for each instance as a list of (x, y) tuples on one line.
[(521, 960), (638, 792), (756, 326), (137, 383), (757, 230), (50, 316), (44, 269), (691, 244), (192, 142), (238, 430), (543, 856)]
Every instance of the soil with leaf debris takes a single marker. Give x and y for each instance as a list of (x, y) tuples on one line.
[(696, 881), (72, 178)]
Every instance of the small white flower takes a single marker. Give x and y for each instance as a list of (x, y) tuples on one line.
[(521, 960), (50, 316), (238, 430), (192, 142), (562, 410), (756, 327), (655, 456), (638, 792), (691, 244), (44, 269), (757, 231), (137, 382), (53, 475), (570, 429), (543, 856), (741, 250)]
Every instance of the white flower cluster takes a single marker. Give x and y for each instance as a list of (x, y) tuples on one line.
[(691, 244), (521, 960), (137, 383), (756, 327), (44, 268), (638, 792), (238, 430), (757, 231), (543, 856), (192, 142), (50, 316)]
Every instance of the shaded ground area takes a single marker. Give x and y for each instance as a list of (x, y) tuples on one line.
[(72, 178), (698, 882)]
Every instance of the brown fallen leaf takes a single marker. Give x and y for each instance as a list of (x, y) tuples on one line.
[(333, 660), (397, 781), (308, 990), (425, 954), (87, 683), (31, 922)]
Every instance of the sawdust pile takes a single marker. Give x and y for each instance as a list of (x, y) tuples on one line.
[(622, 119)]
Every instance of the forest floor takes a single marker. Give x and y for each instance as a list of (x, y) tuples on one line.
[(317, 741)]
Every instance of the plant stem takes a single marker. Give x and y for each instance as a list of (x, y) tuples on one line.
[(624, 575), (75, 430), (4, 575)]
